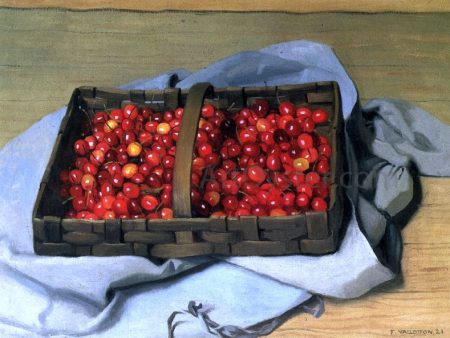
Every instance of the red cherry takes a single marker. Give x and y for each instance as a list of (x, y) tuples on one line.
[(324, 150), (283, 121), (289, 199), (149, 202), (204, 149), (207, 111), (116, 115), (303, 112), (230, 202), (120, 206), (319, 204), (323, 167), (79, 203), (319, 116), (131, 190), (247, 135), (152, 158), (305, 188), (81, 147), (277, 212), (292, 127), (242, 212), (260, 107), (310, 154), (91, 141), (305, 141), (256, 174), (212, 198), (130, 111), (107, 202), (75, 191), (166, 213), (179, 113), (302, 200), (128, 125), (286, 108), (267, 138), (100, 117), (75, 176), (97, 157), (308, 125), (230, 187), (321, 189), (251, 149), (153, 180), (312, 178)]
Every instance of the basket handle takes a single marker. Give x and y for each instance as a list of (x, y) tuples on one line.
[(181, 193)]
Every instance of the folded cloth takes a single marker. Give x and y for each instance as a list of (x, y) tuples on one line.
[(239, 296)]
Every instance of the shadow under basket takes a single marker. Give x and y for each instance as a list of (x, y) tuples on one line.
[(311, 232)]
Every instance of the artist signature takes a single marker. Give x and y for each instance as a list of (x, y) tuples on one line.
[(416, 332)]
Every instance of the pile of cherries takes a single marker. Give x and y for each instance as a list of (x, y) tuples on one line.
[(259, 161)]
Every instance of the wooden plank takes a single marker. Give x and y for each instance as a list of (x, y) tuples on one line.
[(299, 6)]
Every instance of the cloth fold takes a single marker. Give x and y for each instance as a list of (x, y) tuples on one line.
[(133, 296)]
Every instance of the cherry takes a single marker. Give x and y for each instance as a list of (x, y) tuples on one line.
[(300, 164), (87, 181), (307, 125), (305, 188), (130, 111), (305, 141), (281, 136), (149, 202), (302, 200), (134, 149), (324, 150), (163, 128), (152, 158), (251, 149), (120, 206), (292, 127), (75, 176), (319, 116), (116, 115), (166, 213), (79, 203), (312, 178), (212, 198), (207, 111), (321, 189), (260, 107), (81, 147), (110, 125), (129, 169), (256, 174), (319, 204), (286, 108), (303, 112), (131, 190), (323, 167), (310, 154), (230, 202), (277, 212), (204, 149)]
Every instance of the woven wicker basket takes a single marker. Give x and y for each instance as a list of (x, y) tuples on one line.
[(308, 233)]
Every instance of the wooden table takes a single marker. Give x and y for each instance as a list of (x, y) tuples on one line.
[(47, 53)]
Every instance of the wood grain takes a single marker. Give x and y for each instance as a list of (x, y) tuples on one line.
[(46, 53), (299, 6)]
